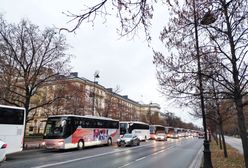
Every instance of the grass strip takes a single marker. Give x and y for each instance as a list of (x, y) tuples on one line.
[(234, 159)]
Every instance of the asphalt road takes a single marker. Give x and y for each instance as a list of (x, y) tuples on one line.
[(183, 153)]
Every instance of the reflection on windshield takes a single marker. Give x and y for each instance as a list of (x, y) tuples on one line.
[(55, 127), (160, 134), (127, 136)]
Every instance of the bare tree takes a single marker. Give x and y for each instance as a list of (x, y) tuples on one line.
[(111, 102), (214, 116), (177, 70), (30, 59), (73, 97), (223, 26), (229, 34), (132, 15)]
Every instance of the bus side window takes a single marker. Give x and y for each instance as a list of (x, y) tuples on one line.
[(82, 123), (87, 124), (76, 123), (116, 124), (93, 123)]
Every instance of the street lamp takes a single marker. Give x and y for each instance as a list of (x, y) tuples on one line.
[(150, 113), (207, 154), (96, 75)]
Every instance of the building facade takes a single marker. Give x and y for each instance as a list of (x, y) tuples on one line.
[(80, 96)]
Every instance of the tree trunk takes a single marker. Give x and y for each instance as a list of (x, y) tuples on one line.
[(220, 141), (223, 140), (26, 106), (242, 129), (215, 136), (237, 92)]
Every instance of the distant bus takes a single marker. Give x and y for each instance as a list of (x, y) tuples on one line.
[(180, 132), (12, 126), (157, 131), (140, 129), (74, 131), (171, 132)]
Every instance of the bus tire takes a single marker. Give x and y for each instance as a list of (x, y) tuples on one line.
[(80, 145), (109, 142)]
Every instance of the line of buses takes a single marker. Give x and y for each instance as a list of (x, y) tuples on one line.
[(74, 131)]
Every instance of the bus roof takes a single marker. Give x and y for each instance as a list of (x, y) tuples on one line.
[(13, 107), (97, 117), (169, 127), (138, 122), (85, 116), (157, 125)]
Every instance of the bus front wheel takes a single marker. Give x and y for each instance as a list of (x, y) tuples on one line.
[(80, 144)]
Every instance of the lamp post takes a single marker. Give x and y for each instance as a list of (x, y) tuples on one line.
[(207, 154), (96, 75), (150, 113)]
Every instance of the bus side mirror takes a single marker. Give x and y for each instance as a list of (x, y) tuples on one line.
[(63, 123)]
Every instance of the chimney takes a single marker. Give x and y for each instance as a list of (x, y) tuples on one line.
[(74, 74), (125, 97), (110, 89)]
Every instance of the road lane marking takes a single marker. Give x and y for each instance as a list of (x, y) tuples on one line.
[(160, 151), (87, 157), (197, 159), (99, 155), (140, 159), (156, 153), (125, 165)]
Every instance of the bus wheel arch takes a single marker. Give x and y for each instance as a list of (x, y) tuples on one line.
[(80, 145)]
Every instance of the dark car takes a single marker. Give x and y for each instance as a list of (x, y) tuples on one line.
[(201, 135), (128, 140)]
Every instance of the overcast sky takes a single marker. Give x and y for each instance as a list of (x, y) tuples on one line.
[(123, 62)]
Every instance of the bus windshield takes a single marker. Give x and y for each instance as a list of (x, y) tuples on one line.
[(55, 127), (152, 129), (123, 128)]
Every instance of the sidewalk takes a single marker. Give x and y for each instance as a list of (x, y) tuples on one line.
[(235, 143)]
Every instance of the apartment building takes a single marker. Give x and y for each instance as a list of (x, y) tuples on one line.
[(80, 96)]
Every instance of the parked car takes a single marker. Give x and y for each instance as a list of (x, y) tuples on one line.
[(128, 140), (3, 147)]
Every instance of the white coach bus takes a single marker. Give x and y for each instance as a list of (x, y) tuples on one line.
[(74, 131), (140, 129), (12, 125)]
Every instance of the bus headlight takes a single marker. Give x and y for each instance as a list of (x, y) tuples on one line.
[(61, 143)]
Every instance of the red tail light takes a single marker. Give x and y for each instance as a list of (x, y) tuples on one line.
[(4, 146)]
